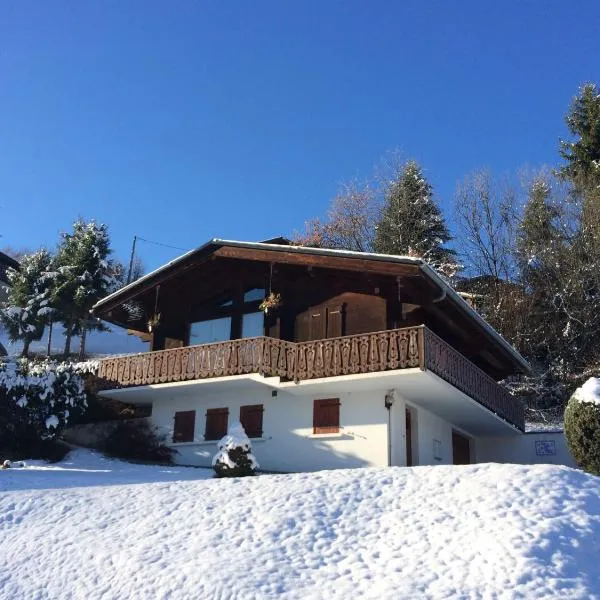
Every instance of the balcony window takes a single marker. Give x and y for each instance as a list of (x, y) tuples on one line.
[(211, 330), (254, 294), (253, 325)]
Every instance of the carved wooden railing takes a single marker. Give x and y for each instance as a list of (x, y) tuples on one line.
[(443, 360), (412, 347), (363, 353), (265, 356)]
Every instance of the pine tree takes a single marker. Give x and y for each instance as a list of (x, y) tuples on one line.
[(583, 155), (540, 248), (412, 223), (84, 275), (26, 310)]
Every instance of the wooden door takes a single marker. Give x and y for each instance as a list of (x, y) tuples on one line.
[(461, 449), (409, 454), (318, 323)]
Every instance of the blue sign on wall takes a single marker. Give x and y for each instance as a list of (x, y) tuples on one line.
[(545, 448)]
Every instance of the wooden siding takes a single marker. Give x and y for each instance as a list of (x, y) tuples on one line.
[(412, 347)]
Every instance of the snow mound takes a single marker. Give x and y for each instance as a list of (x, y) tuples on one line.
[(589, 392), (96, 528)]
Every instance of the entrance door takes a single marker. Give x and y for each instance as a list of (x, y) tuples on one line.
[(461, 449), (409, 453)]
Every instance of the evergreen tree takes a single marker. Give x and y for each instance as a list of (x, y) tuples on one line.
[(84, 275), (26, 310), (412, 223), (582, 156), (540, 248)]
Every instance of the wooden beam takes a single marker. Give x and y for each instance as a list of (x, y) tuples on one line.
[(316, 260)]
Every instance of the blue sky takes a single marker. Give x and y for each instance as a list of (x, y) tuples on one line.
[(182, 121)]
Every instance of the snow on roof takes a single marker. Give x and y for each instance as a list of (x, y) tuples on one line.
[(445, 288)]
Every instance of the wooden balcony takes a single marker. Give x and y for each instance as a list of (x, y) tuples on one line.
[(413, 347)]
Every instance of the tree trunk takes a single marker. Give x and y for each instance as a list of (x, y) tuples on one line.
[(25, 352), (82, 343), (68, 336), (49, 349)]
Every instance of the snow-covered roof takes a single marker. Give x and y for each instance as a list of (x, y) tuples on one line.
[(446, 290)]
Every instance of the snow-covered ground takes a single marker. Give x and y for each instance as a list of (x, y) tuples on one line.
[(94, 528)]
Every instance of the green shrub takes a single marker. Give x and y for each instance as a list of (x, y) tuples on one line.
[(139, 441), (582, 426)]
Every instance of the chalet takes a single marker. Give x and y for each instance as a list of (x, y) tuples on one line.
[(329, 358)]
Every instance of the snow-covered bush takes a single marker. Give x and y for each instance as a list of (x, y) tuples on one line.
[(235, 458), (38, 399), (582, 426)]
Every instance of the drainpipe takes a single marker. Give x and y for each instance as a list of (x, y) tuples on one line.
[(388, 402)]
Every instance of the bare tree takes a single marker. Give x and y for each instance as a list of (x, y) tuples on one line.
[(486, 217), (350, 223)]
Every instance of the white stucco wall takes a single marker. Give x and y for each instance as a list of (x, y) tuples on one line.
[(288, 442), (523, 449)]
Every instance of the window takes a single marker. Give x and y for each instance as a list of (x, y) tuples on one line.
[(216, 423), (254, 294), (326, 416), (226, 302), (253, 324), (213, 330), (183, 428), (251, 417)]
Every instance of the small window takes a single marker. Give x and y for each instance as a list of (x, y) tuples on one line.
[(253, 325), (326, 416), (251, 418), (183, 428), (254, 294), (213, 330), (226, 302), (216, 423)]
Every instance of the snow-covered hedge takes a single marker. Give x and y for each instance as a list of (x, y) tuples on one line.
[(582, 426), (38, 398), (235, 458)]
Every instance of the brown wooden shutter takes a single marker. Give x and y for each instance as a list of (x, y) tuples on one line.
[(183, 428), (302, 333), (334, 322), (216, 423), (251, 417), (318, 323), (326, 415)]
